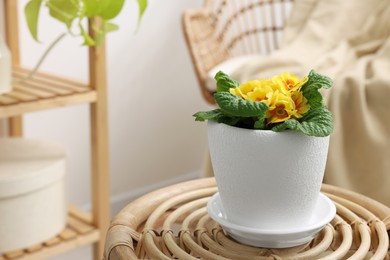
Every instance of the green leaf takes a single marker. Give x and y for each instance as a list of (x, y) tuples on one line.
[(224, 82), (228, 120), (310, 89), (110, 27), (314, 98), (142, 4), (90, 7), (64, 11), (216, 115), (317, 122), (31, 11), (260, 123), (207, 115), (87, 38), (111, 9), (95, 7), (236, 106), (317, 81), (100, 31)]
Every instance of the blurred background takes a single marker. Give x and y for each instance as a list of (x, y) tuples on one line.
[(152, 94)]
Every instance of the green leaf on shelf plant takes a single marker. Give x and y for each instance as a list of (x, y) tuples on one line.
[(284, 102), (71, 11), (76, 11), (31, 12), (64, 11)]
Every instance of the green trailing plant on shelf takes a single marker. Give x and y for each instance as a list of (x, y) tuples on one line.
[(73, 14)]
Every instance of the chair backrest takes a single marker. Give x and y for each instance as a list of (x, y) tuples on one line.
[(228, 28)]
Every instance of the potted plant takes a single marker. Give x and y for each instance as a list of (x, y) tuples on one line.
[(268, 143), (73, 13)]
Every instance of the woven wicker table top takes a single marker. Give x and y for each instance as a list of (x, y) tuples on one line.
[(173, 223)]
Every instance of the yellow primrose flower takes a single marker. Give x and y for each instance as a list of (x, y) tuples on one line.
[(281, 94), (243, 89), (281, 108), (255, 90), (263, 94), (301, 104), (287, 82)]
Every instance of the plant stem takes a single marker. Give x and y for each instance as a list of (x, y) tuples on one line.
[(43, 57)]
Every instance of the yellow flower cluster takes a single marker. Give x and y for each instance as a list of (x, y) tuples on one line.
[(281, 93)]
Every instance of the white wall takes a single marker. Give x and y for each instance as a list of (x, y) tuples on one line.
[(152, 95)]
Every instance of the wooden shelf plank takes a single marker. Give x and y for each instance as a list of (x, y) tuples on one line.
[(67, 234), (22, 97), (5, 100), (41, 92), (49, 80), (49, 103), (33, 249), (72, 237), (14, 254), (22, 72), (34, 91), (53, 241)]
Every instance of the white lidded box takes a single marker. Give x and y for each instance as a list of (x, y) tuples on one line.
[(32, 199)]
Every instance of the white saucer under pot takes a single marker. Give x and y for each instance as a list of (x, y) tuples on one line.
[(324, 212)]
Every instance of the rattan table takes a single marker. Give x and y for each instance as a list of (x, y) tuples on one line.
[(172, 223)]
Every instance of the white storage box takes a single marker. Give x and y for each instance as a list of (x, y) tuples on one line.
[(32, 201)]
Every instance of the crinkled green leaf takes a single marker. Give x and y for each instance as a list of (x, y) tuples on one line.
[(314, 98), (207, 115), (64, 10), (216, 115), (224, 82), (228, 120), (317, 122), (260, 123), (310, 89), (31, 11), (317, 81), (236, 106)]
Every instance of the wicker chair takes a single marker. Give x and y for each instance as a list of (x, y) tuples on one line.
[(231, 31), (225, 34)]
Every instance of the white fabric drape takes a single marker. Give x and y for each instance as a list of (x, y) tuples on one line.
[(348, 40)]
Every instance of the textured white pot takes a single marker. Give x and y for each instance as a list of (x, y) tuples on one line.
[(267, 180)]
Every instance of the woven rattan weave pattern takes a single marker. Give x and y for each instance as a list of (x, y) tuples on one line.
[(225, 29), (172, 223)]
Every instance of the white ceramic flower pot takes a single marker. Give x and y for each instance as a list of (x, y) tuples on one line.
[(267, 180)]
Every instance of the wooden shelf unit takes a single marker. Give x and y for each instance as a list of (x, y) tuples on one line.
[(46, 91), (78, 232)]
